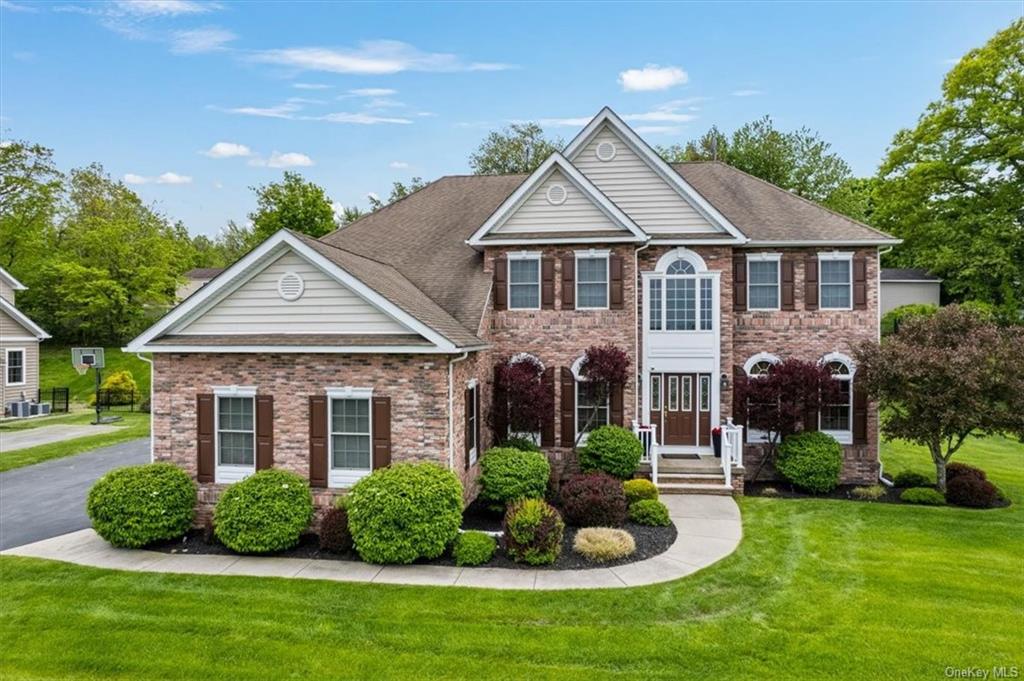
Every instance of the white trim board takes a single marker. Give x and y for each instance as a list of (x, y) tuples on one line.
[(11, 281), (22, 319)]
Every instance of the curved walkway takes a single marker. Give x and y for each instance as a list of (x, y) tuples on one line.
[(709, 530)]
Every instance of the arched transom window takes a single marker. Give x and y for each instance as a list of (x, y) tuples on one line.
[(836, 418), (681, 295), (591, 412)]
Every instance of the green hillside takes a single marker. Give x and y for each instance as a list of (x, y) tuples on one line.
[(55, 371)]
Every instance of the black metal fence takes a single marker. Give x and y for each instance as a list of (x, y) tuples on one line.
[(121, 400), (59, 398)]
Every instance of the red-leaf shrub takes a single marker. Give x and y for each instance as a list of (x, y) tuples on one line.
[(334, 534), (605, 364), (957, 469), (532, 532), (779, 402), (593, 500), (527, 403), (971, 491)]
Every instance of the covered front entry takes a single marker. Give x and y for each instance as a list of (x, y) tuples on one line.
[(680, 407)]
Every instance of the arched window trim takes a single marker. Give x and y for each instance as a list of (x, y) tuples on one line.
[(576, 365), (840, 357), (844, 436), (699, 266), (520, 356), (760, 357)]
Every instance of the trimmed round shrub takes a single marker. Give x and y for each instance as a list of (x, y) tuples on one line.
[(523, 444), (971, 491), (650, 512), (612, 449), (811, 460), (119, 387), (593, 500), (957, 469), (405, 512), (138, 505), (639, 489), (601, 544), (910, 479), (927, 496), (473, 548), (533, 532), (507, 474), (268, 511), (334, 534)]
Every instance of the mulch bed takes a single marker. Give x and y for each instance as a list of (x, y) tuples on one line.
[(784, 490), (650, 541)]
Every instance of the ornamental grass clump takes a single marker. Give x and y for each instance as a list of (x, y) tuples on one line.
[(405, 512), (602, 544), (266, 512), (593, 500), (138, 505), (532, 532)]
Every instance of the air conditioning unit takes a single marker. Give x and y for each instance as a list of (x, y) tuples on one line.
[(20, 409), (39, 408)]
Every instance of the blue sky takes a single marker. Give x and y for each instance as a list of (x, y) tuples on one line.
[(357, 96)]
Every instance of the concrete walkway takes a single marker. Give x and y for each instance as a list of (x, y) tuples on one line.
[(709, 530), (44, 435)]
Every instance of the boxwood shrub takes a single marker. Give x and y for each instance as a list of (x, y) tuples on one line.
[(473, 548), (523, 444), (268, 511), (138, 505), (811, 460), (593, 500), (650, 512), (507, 474), (927, 496), (612, 449), (532, 532), (405, 512), (910, 479), (971, 491), (639, 489)]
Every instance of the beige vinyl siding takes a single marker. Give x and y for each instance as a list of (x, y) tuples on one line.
[(897, 293), (30, 389), (7, 292), (637, 189), (577, 214), (324, 307)]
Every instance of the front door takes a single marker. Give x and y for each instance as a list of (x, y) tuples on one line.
[(681, 408)]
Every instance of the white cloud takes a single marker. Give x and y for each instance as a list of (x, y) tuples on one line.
[(372, 92), (132, 178), (154, 8), (657, 130), (398, 165), (360, 118), (291, 159), (311, 86), (286, 110), (373, 196), (747, 93), (668, 112), (377, 57), (199, 40), (305, 100), (227, 150), (290, 111), (164, 178), (16, 6), (652, 77)]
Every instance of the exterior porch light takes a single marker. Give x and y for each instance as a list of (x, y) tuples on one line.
[(724, 381)]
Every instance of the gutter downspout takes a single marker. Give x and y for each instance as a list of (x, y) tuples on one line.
[(878, 337), (152, 367), (638, 282), (451, 408)]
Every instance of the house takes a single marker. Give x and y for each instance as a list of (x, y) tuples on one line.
[(377, 343), (195, 279), (908, 287), (19, 347)]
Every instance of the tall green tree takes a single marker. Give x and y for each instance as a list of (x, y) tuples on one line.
[(30, 193), (399, 190), (953, 187), (519, 148), (293, 203)]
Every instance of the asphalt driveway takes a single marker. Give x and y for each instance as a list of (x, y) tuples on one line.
[(48, 499)]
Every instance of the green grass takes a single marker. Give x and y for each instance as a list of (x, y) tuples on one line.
[(134, 426), (1001, 458), (817, 589), (55, 371)]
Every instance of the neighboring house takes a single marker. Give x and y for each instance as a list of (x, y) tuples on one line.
[(195, 279), (377, 343), (19, 346), (909, 287)]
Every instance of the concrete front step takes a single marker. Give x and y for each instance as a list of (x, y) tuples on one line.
[(691, 478), (693, 488)]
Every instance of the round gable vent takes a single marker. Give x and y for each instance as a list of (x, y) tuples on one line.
[(557, 194), (605, 151), (290, 286)]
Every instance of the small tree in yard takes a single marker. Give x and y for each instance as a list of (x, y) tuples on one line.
[(780, 402), (945, 377), (521, 397), (603, 367)]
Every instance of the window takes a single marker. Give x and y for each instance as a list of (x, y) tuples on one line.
[(680, 305), (705, 393), (236, 435), (836, 281), (15, 374), (763, 281), (681, 267), (673, 393), (705, 304), (681, 294), (350, 434), (835, 418), (757, 366), (687, 393), (591, 281), (472, 422), (588, 407), (524, 282), (655, 306), (656, 392)]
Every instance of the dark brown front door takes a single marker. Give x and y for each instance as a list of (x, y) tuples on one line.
[(679, 413)]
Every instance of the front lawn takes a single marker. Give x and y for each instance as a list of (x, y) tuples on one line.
[(817, 589), (135, 425)]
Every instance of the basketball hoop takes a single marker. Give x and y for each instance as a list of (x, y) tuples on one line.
[(81, 368)]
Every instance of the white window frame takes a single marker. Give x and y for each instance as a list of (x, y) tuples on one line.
[(340, 478), (704, 391), (765, 257), (686, 392), (843, 437), (230, 473), (755, 436), (524, 255), (576, 401), (594, 254), (832, 256), (474, 386), (657, 403), (7, 366)]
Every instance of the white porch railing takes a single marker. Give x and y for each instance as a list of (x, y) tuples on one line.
[(732, 449), (648, 435)]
